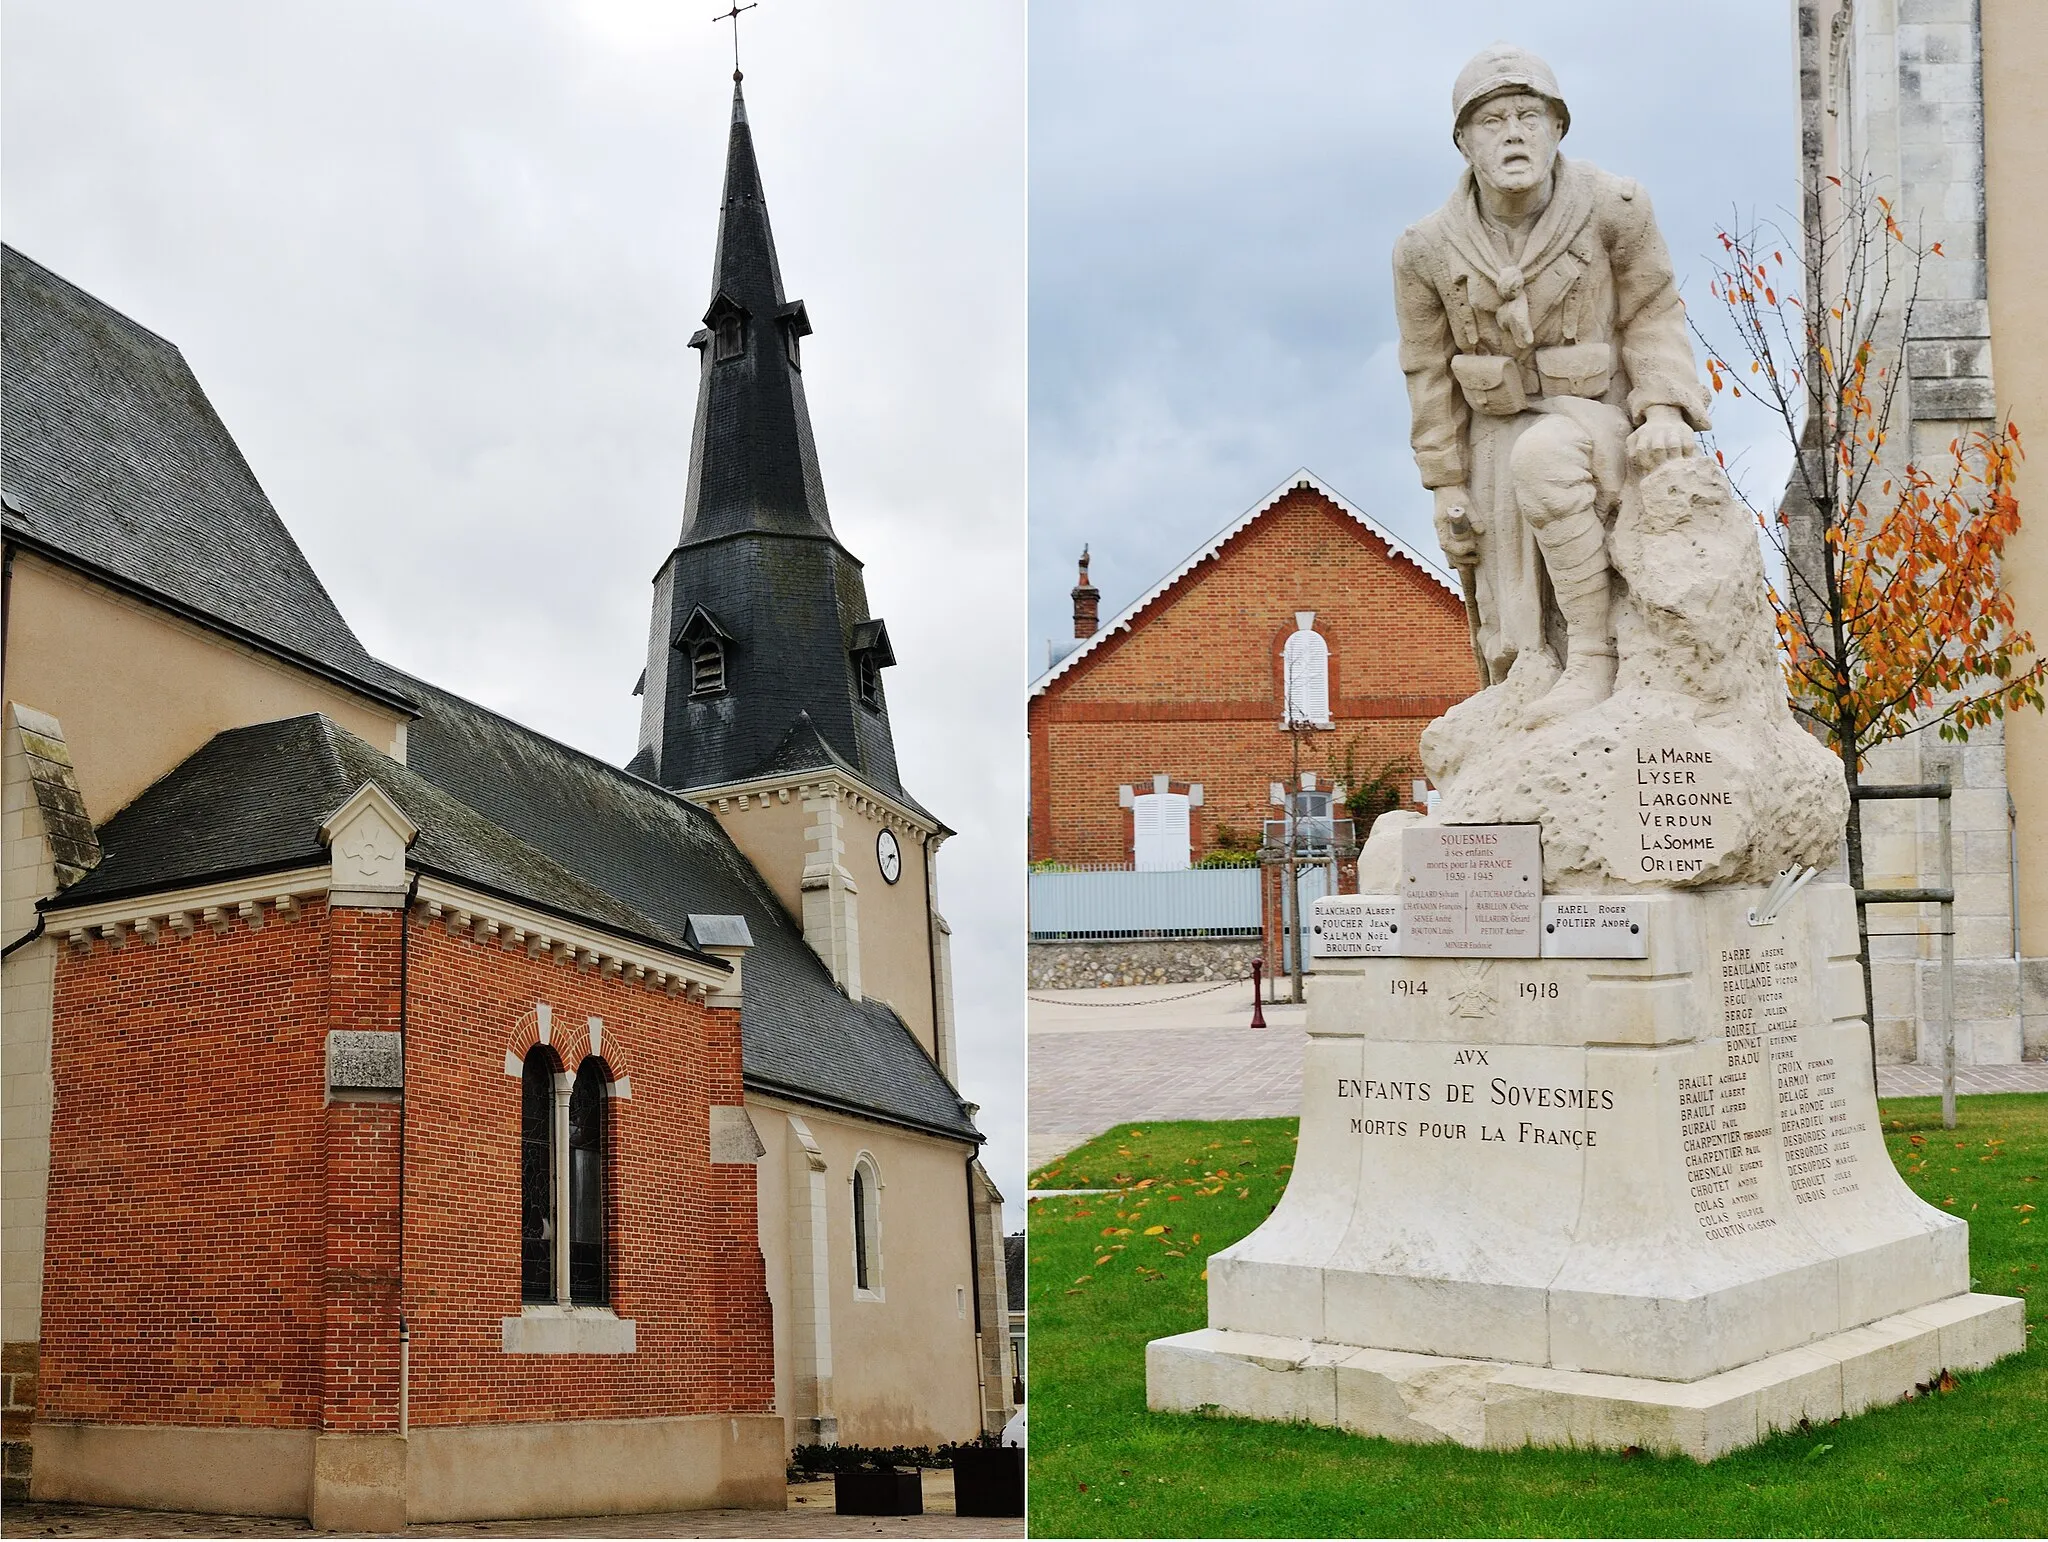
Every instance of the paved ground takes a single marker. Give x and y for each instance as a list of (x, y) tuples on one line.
[(1924, 1081), (1101, 1057), (1105, 1057), (809, 1515)]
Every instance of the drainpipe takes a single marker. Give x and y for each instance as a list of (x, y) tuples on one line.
[(404, 1108), (2012, 863)]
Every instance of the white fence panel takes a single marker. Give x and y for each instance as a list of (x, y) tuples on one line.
[(1198, 902)]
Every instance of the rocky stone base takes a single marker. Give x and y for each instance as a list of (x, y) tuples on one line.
[(1494, 1405), (1060, 966)]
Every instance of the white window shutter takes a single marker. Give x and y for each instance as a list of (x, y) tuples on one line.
[(1163, 833), (1306, 663)]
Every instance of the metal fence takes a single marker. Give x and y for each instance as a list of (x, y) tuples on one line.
[(1199, 902)]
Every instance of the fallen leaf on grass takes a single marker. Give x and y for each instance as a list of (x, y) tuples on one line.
[(1153, 1231), (1820, 1450)]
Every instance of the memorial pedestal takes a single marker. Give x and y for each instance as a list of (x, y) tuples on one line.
[(1592, 1201)]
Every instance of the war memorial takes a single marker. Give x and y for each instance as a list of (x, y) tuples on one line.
[(1589, 1149)]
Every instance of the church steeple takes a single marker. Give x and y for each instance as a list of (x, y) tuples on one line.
[(760, 614), (754, 465)]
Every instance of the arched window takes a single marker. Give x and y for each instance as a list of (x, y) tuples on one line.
[(867, 1227), (537, 1176), (588, 1285), (1305, 665), (707, 667)]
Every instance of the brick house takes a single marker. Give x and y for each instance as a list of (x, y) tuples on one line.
[(411, 1117), (1179, 697)]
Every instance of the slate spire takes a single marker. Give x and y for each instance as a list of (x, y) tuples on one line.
[(753, 463), (761, 656)]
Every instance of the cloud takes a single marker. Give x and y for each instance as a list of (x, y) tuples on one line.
[(1215, 194), (437, 267)]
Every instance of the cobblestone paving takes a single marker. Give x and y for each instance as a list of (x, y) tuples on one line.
[(1102, 1057), (1924, 1081), (809, 1514), (1106, 1057)]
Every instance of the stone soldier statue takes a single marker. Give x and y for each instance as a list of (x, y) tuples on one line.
[(1546, 354)]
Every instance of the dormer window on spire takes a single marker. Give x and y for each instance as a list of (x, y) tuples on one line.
[(871, 655), (795, 322), (727, 322)]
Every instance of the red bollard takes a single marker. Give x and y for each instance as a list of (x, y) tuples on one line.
[(1258, 1005)]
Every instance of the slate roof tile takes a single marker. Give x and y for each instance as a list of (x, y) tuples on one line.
[(112, 458)]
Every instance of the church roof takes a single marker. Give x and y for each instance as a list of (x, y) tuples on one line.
[(656, 852), (754, 464), (112, 460), (252, 800), (512, 813), (1128, 617)]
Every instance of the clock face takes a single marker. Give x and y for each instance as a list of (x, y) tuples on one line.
[(889, 855)]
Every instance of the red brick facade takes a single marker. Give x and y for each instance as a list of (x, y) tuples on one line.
[(1193, 690), (223, 1244)]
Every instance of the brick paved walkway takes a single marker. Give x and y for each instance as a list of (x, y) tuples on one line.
[(1105, 1057), (1101, 1057), (809, 1514), (1924, 1081)]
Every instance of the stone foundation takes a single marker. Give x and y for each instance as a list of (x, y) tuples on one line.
[(1059, 966), (18, 1364), (454, 1473), (1492, 1405)]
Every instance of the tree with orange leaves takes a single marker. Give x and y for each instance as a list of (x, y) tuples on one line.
[(1889, 593)]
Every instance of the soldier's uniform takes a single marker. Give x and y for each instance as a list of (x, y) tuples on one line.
[(1527, 370)]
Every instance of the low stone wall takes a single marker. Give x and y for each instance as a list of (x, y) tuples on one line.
[(1056, 966)]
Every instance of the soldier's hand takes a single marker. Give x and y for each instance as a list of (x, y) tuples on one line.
[(1454, 525), (1663, 436)]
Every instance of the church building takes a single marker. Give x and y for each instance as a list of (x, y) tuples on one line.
[(411, 1117)]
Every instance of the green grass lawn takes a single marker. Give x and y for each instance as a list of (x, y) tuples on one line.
[(1110, 1272)]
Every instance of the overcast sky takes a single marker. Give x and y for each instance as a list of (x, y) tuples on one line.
[(1215, 193), (437, 266)]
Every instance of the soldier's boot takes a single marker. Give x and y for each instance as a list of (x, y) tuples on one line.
[(1575, 553)]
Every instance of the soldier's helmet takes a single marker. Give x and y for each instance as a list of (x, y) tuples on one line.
[(1504, 67)]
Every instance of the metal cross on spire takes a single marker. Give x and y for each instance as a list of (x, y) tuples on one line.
[(733, 16)]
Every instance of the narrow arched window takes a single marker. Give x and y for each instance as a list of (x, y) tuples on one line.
[(867, 1216), (707, 667), (860, 1230), (588, 1285), (537, 1176)]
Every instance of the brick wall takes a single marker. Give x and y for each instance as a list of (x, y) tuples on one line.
[(1194, 689), (686, 1260), (223, 1243)]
